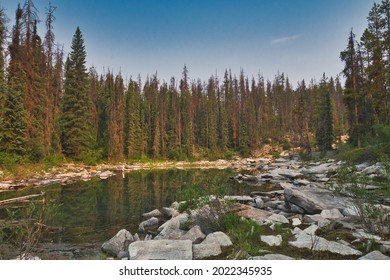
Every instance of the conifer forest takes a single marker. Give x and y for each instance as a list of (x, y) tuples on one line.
[(52, 104)]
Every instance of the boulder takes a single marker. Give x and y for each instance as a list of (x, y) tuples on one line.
[(272, 240), (149, 224), (195, 234), (314, 200), (316, 243), (123, 255), (167, 212), (270, 257), (119, 242), (324, 168), (218, 238), (202, 251), (172, 229), (161, 250), (374, 255)]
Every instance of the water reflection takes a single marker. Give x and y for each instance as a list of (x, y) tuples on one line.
[(92, 212)]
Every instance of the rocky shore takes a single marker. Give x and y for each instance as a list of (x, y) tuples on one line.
[(71, 173), (313, 219)]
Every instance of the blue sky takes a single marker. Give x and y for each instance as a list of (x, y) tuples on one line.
[(302, 38)]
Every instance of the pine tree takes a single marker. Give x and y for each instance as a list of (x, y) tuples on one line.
[(13, 131), (77, 137), (324, 127)]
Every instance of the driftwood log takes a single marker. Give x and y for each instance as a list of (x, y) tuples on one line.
[(21, 198)]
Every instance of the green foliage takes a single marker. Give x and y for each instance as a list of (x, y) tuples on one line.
[(77, 138), (373, 217), (53, 160), (25, 226)]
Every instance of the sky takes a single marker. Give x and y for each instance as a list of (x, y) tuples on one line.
[(301, 38)]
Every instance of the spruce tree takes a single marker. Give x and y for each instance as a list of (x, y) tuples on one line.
[(324, 128), (77, 138)]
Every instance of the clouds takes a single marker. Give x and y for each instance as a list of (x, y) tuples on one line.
[(284, 40)]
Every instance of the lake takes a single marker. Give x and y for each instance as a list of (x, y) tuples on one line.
[(89, 213)]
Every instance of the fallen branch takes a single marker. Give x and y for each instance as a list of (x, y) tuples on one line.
[(21, 198)]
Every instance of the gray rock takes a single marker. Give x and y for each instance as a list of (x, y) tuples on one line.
[(302, 182), (316, 243), (287, 173), (259, 202), (257, 215), (316, 219), (154, 213), (149, 224), (377, 168), (362, 235), (118, 243), (202, 251), (27, 257), (172, 228), (296, 209), (311, 230), (167, 212), (314, 200), (374, 255), (123, 255), (272, 240), (161, 250), (324, 168), (331, 214), (276, 218), (270, 257), (106, 174), (296, 222), (136, 237), (241, 199), (195, 234), (218, 238)]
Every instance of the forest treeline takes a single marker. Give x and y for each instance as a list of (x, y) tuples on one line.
[(51, 104)]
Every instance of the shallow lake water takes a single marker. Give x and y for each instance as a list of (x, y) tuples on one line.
[(90, 213)]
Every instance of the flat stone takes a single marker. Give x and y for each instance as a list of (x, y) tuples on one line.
[(362, 235), (272, 240), (195, 234), (219, 238), (296, 222), (202, 251), (316, 243), (276, 218), (374, 255), (257, 215), (287, 173), (161, 250), (270, 257), (311, 230), (302, 182), (331, 214), (242, 198)]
